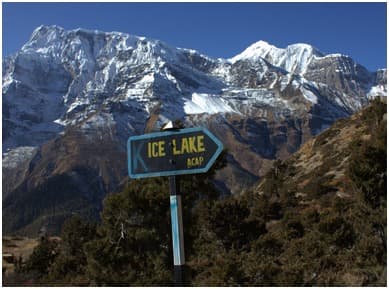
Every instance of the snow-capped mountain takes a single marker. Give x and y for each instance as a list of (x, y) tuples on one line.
[(77, 91), (62, 78), (294, 58)]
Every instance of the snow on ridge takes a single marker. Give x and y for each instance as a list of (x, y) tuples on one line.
[(44, 36), (195, 52), (254, 51), (294, 58), (49, 39), (309, 95), (206, 103), (13, 157), (263, 49), (305, 47), (378, 90), (335, 55)]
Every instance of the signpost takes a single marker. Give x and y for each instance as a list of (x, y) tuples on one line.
[(172, 153)]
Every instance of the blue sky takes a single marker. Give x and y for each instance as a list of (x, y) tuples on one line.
[(217, 29)]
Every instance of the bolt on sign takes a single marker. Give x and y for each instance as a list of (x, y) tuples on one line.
[(169, 153)]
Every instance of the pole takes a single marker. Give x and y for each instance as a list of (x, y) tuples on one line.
[(177, 230)]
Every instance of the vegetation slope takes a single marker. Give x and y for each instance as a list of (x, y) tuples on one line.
[(316, 219)]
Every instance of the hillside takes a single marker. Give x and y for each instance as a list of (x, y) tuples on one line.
[(330, 203), (324, 163), (316, 219)]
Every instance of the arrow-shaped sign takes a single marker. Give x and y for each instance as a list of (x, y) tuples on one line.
[(169, 153)]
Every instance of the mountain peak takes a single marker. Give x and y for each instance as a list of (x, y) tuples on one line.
[(44, 36), (294, 58), (44, 30), (261, 44), (256, 50)]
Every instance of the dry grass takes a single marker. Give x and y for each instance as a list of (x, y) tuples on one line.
[(17, 247)]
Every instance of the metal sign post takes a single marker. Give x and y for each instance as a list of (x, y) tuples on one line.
[(172, 153), (177, 230)]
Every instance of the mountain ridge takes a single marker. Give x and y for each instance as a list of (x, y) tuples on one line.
[(106, 87)]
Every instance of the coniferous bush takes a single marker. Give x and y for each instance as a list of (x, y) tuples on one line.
[(266, 237)]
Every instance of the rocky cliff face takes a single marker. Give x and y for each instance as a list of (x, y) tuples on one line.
[(72, 98)]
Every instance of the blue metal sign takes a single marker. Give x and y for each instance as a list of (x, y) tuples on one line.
[(169, 153)]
